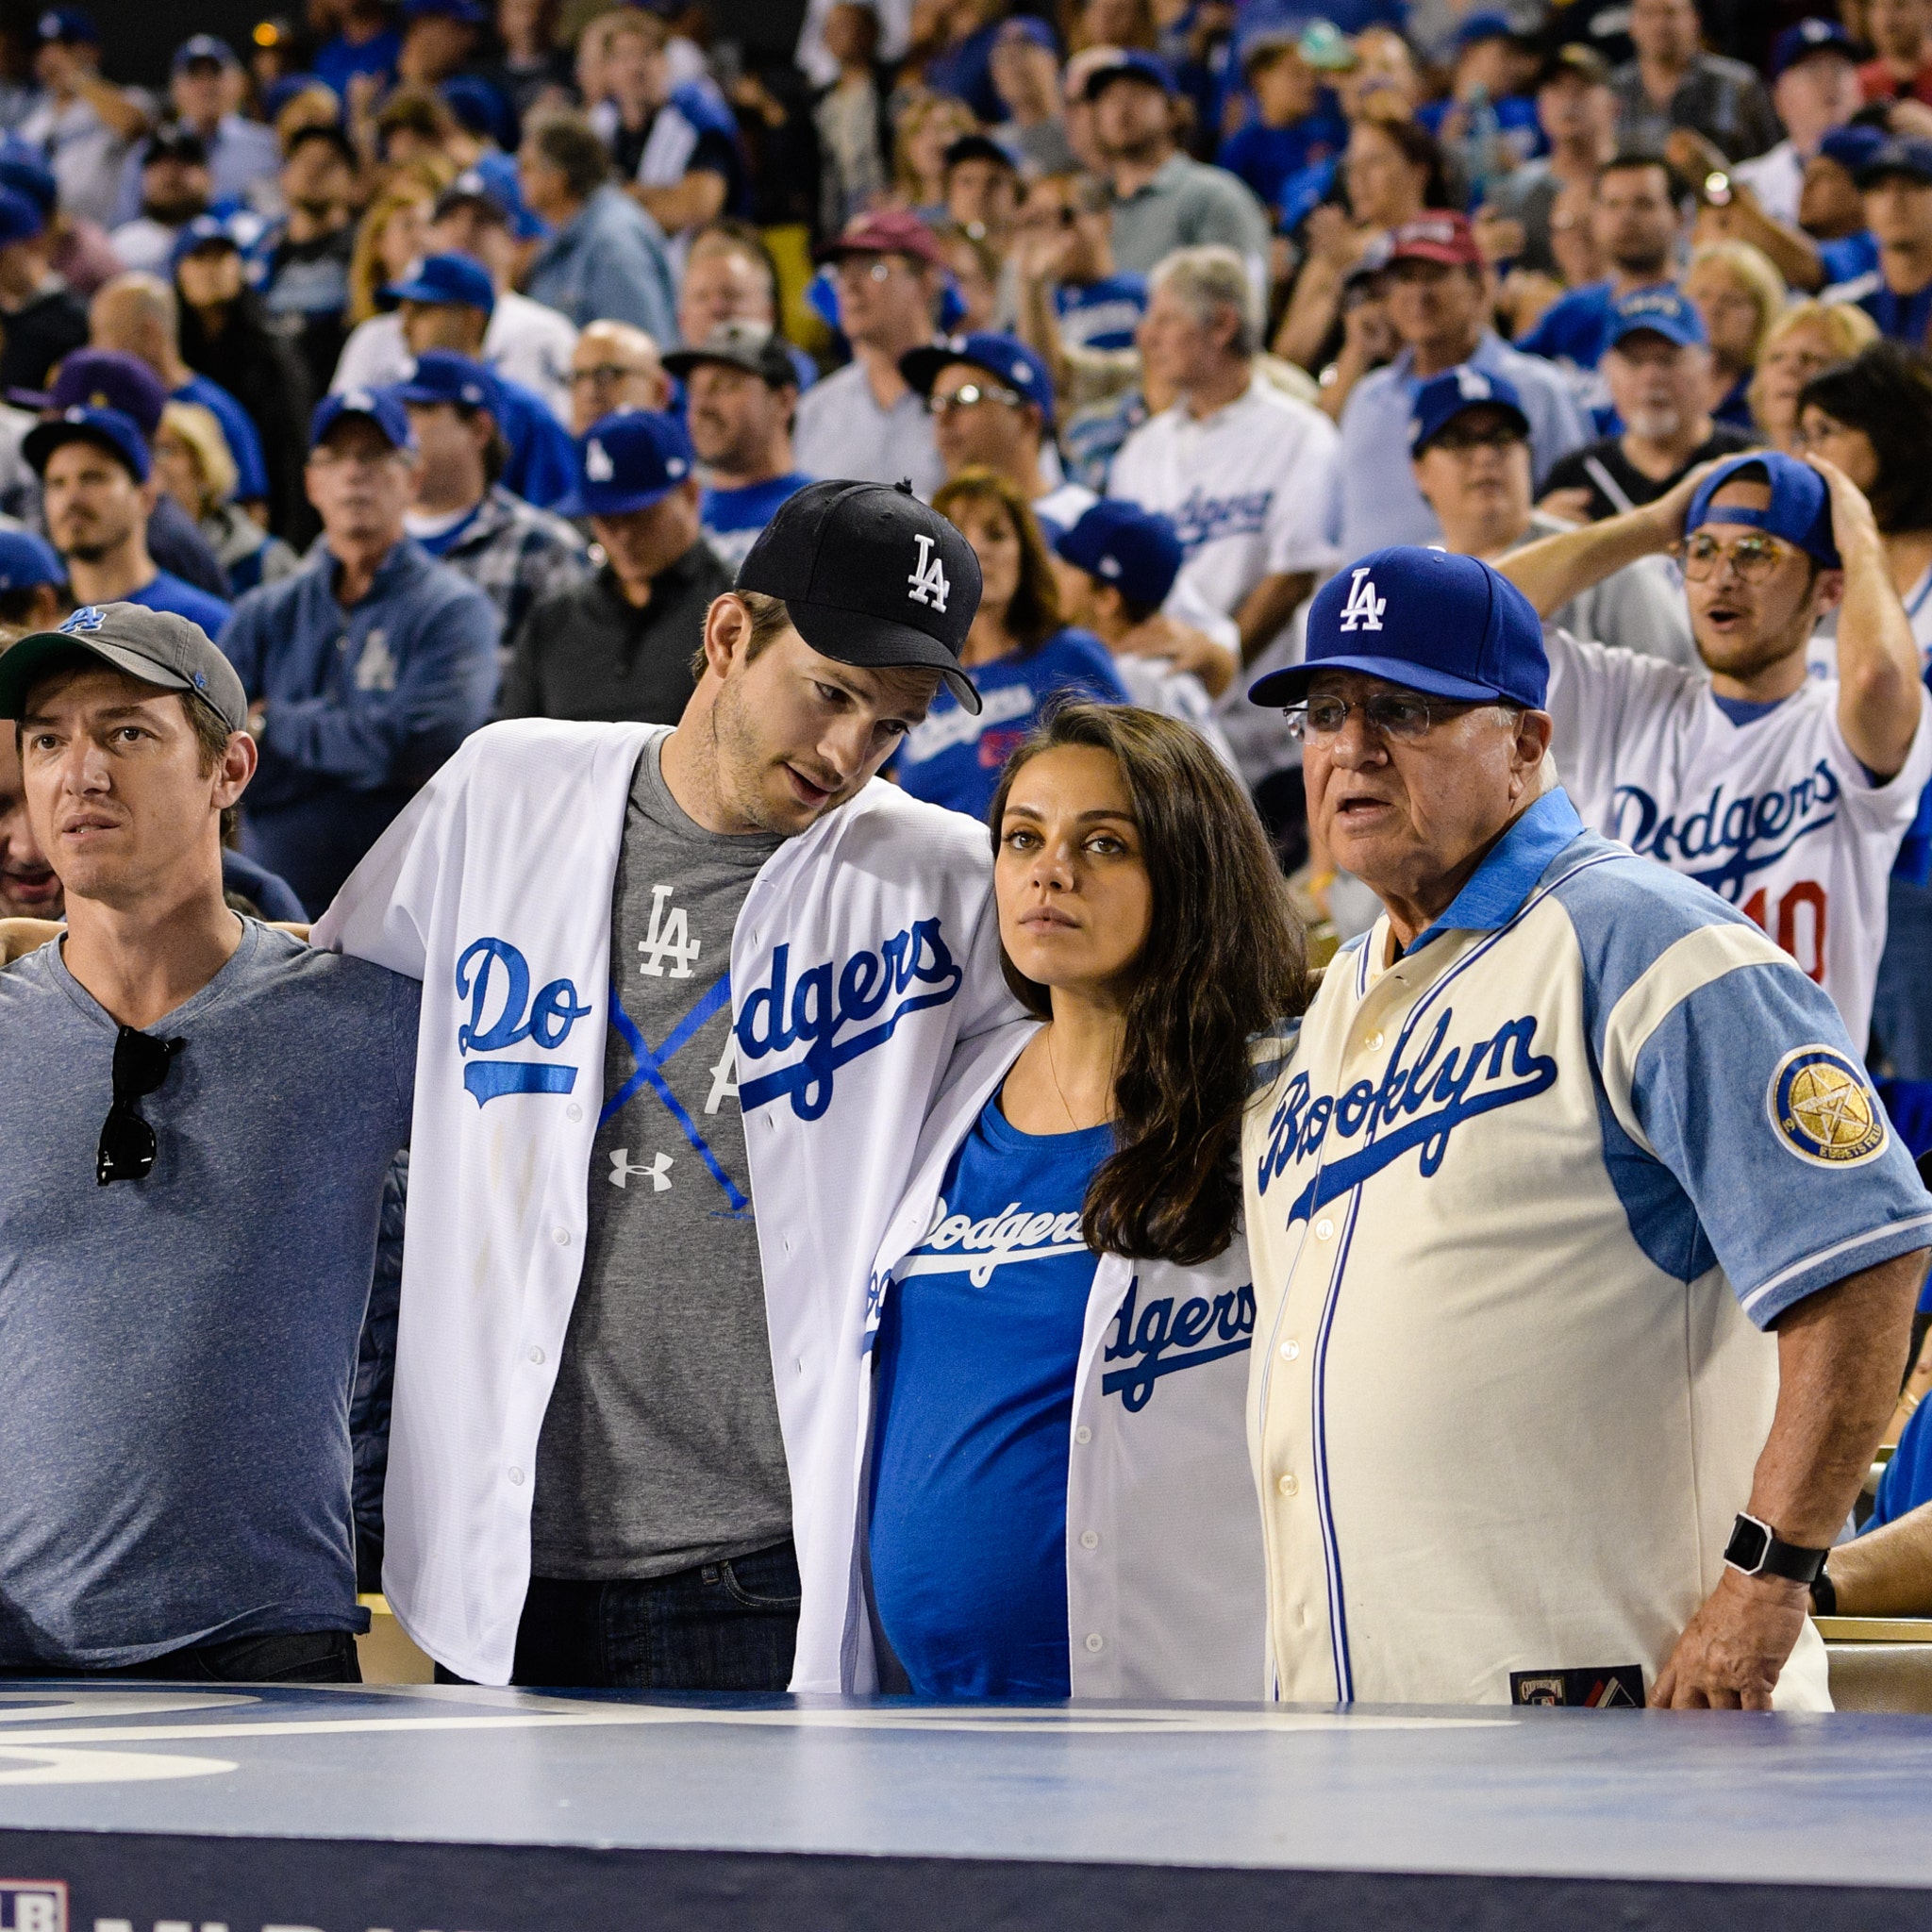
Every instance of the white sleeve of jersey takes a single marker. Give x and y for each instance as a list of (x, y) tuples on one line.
[(1304, 515), (1891, 807), (1598, 698)]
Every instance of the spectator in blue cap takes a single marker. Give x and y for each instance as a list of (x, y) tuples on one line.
[(1162, 199), (84, 123), (1577, 117), (241, 155), (605, 258), (992, 402), (365, 669), (99, 379), (1831, 211), (513, 552), (77, 249), (41, 320), (171, 188), (33, 582), (97, 490), (1896, 184), (1657, 369), (1790, 794), (447, 303), (1026, 70), (619, 644), (1814, 75)]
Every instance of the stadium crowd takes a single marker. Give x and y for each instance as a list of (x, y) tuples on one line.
[(443, 364)]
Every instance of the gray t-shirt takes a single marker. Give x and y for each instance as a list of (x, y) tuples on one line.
[(660, 1448), (175, 1353)]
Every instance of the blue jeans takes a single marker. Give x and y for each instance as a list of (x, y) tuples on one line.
[(730, 1625)]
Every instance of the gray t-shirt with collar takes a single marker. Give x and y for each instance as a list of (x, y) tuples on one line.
[(660, 1448)]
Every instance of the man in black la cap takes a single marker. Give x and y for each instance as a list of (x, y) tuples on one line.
[(786, 933)]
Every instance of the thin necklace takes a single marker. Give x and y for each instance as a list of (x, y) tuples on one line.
[(1055, 1073)]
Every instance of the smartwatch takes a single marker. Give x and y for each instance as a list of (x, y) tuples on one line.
[(1756, 1550)]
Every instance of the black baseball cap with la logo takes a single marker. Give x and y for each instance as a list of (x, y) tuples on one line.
[(873, 577)]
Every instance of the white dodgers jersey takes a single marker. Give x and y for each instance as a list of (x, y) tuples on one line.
[(1774, 814), (1520, 1204)]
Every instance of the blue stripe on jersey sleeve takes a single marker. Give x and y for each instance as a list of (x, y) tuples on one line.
[(1782, 1225)]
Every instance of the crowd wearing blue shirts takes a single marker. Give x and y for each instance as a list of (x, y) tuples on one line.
[(442, 361)]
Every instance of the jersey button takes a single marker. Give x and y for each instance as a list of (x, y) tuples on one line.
[(1090, 1539), (561, 1236), (537, 1355), (572, 1112), (1083, 1434), (1324, 1229), (1290, 1351), (1095, 1642), (1288, 1485), (1373, 1041), (516, 1476)]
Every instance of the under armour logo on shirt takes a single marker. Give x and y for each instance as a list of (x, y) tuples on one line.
[(1363, 611), (927, 582)]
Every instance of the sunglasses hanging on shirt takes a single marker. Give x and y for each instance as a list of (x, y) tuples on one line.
[(129, 1146)]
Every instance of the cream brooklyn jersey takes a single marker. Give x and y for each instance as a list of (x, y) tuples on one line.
[(1520, 1205), (1774, 814), (1252, 490)]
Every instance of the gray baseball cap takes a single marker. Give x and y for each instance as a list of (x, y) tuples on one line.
[(156, 646)]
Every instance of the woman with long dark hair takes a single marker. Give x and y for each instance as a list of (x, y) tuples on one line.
[(1056, 1496), (1873, 417)]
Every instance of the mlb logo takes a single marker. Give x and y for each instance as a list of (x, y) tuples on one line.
[(33, 1904)]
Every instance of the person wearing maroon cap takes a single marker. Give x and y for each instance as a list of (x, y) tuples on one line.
[(1438, 307), (866, 422)]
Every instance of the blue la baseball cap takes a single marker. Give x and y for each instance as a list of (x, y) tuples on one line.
[(67, 23), (1898, 154), (19, 220), (442, 375), (24, 171), (1444, 398), (381, 406), (1130, 64), (207, 232), (628, 460), (27, 560), (1006, 358), (1852, 147), (1799, 510), (118, 433), (1805, 38), (446, 278), (1137, 551), (1449, 625), (498, 175), (1662, 311), (203, 48)]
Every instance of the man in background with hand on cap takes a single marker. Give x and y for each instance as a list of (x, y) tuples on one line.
[(1657, 368), (365, 669), (754, 964), (1438, 307), (84, 123), (242, 156), (97, 490), (462, 513), (741, 392), (1558, 1140), (1787, 795), (618, 644), (199, 1118)]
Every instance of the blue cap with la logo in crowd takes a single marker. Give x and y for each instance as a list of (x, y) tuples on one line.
[(1427, 621), (873, 577), (628, 460)]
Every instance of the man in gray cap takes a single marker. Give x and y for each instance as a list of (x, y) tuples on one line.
[(198, 1117)]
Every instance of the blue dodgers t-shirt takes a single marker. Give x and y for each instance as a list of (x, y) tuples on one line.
[(1908, 1478), (954, 759), (733, 519), (977, 1348), (164, 591), (176, 1352)]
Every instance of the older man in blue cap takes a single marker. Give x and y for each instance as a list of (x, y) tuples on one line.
[(1584, 1257), (365, 669)]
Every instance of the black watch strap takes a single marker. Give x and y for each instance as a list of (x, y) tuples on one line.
[(1823, 1594), (1757, 1550)]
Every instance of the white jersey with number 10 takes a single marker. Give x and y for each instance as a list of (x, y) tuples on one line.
[(1774, 814)]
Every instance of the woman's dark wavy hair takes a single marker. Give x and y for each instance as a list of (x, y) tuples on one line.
[(1224, 960), (1886, 391)]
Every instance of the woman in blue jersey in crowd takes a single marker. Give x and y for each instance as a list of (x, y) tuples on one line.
[(1057, 1498), (1019, 652)]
